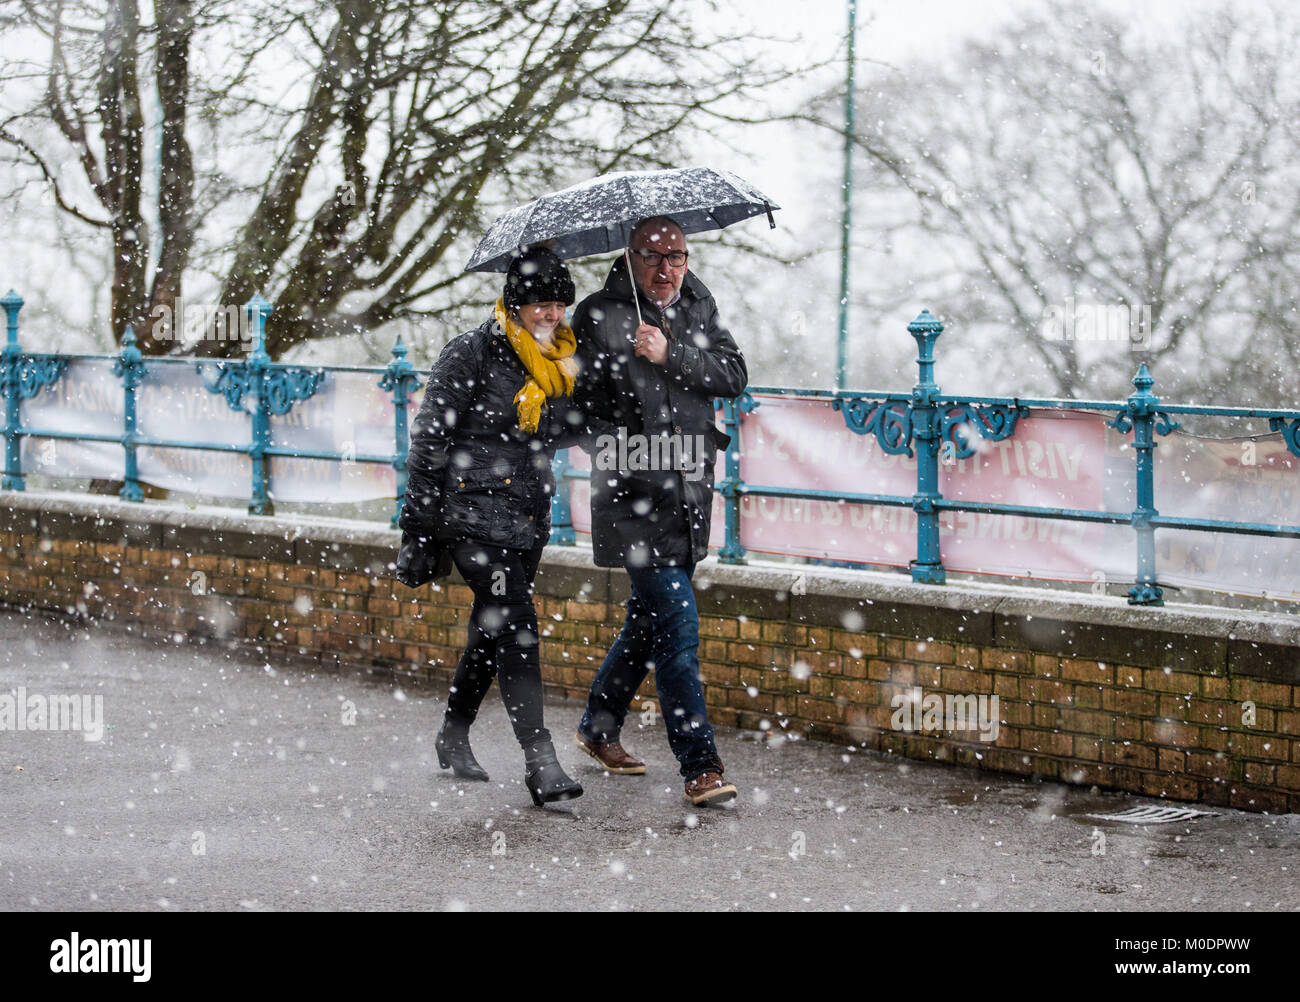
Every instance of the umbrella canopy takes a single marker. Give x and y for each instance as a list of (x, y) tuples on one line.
[(597, 216)]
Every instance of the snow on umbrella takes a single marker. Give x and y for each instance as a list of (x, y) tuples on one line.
[(597, 216)]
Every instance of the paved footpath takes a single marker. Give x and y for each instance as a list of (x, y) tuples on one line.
[(226, 782)]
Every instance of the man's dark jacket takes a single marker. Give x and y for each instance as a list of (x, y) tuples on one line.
[(473, 473), (653, 519)]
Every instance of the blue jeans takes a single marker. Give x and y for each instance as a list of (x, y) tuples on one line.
[(662, 631)]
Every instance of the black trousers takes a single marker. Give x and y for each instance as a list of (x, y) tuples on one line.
[(502, 642)]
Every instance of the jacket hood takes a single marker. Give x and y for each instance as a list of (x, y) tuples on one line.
[(618, 285)]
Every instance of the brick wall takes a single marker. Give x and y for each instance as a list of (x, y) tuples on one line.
[(1090, 691)]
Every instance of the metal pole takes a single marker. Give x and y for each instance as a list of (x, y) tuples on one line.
[(401, 380), (259, 309), (842, 344), (732, 552), (1142, 407), (926, 431), (130, 368), (13, 475), (562, 533)]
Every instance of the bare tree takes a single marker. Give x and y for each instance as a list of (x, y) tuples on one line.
[(1075, 158), (377, 135)]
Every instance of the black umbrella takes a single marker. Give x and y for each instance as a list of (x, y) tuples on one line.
[(597, 216)]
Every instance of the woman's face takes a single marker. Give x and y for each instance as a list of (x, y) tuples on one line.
[(541, 318)]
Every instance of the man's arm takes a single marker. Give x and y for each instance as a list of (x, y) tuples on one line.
[(449, 393), (717, 369)]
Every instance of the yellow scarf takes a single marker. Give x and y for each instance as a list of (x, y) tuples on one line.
[(551, 371)]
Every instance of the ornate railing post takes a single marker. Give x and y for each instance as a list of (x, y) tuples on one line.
[(129, 367), (1142, 407), (259, 309), (562, 533), (402, 380), (732, 552), (275, 389), (927, 568), (12, 361)]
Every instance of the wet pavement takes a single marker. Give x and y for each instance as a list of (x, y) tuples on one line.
[(227, 781)]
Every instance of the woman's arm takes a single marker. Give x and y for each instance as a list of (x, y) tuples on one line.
[(448, 395)]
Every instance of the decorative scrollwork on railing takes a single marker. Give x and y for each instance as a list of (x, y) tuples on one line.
[(32, 373), (1290, 432), (1123, 422), (231, 382), (409, 381), (890, 421), (993, 422), (285, 387), (745, 403)]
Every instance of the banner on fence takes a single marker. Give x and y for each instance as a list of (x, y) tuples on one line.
[(349, 414), (1056, 459)]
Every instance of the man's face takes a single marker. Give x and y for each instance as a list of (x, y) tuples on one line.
[(662, 281)]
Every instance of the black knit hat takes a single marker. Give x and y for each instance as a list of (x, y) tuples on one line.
[(538, 276)]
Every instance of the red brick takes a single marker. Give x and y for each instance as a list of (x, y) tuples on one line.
[(1167, 680), (1093, 672), (1174, 787), (1255, 799), (1171, 732), (1215, 766), (929, 652), (1138, 704), (1267, 693), (1171, 760), (1129, 753), (1046, 742), (1260, 746), (1015, 661)]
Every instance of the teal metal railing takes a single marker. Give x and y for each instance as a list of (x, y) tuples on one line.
[(273, 388), (925, 424)]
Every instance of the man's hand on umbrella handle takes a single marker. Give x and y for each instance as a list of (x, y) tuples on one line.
[(651, 344)]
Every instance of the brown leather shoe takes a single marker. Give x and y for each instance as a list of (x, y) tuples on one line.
[(709, 789), (612, 756)]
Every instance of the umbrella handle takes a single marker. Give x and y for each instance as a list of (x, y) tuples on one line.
[(636, 300)]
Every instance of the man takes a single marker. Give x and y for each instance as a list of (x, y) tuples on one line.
[(652, 489)]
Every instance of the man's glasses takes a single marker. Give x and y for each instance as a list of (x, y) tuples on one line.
[(652, 259)]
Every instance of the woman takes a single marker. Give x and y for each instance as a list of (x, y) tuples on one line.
[(479, 489)]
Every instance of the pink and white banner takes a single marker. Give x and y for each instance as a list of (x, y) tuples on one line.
[(1056, 459)]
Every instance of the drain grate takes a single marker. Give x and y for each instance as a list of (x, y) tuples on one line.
[(1154, 815)]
